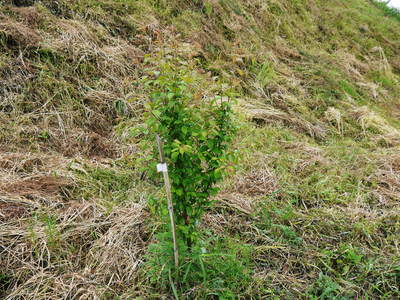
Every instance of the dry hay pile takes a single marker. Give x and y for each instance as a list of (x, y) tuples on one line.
[(270, 115), (64, 84), (387, 177), (57, 247), (80, 252)]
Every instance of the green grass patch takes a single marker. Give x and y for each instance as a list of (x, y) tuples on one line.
[(218, 267), (387, 10)]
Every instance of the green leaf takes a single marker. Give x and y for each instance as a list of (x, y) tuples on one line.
[(157, 113), (174, 156)]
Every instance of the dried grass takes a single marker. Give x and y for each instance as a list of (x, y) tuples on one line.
[(82, 43), (334, 115), (40, 185), (388, 178), (383, 62), (355, 68), (88, 144), (272, 115), (12, 209), (312, 156), (110, 249), (32, 178), (371, 120), (118, 253), (259, 181), (19, 35), (237, 202)]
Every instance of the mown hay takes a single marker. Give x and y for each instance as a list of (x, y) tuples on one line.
[(49, 266), (388, 178), (272, 115), (17, 35)]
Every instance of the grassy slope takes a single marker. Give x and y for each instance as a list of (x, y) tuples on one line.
[(313, 210)]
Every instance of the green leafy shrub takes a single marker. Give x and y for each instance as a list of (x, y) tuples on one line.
[(196, 135)]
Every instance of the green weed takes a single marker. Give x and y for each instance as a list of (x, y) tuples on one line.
[(5, 282), (325, 288), (216, 267), (109, 186)]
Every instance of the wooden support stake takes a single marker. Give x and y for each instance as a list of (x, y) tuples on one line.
[(169, 197)]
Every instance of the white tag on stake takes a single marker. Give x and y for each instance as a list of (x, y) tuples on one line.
[(162, 167)]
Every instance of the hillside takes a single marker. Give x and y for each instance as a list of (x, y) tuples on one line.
[(313, 210)]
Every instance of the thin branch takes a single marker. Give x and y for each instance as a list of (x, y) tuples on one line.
[(169, 197)]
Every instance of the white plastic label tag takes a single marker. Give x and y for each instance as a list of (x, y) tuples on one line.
[(162, 167)]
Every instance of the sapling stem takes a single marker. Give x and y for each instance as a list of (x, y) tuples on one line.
[(169, 197)]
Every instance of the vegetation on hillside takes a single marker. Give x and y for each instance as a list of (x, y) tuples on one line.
[(388, 10), (312, 211)]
